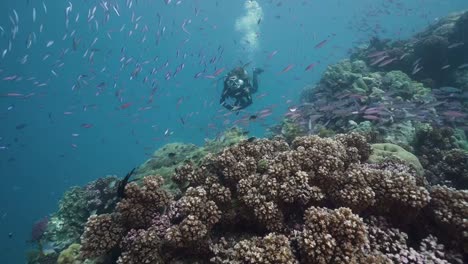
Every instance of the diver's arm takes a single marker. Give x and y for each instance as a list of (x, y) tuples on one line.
[(227, 106), (222, 101), (249, 100), (245, 100)]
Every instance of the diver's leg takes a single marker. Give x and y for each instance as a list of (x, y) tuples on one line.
[(255, 82), (256, 72)]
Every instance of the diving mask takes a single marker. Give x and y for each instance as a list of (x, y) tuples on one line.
[(234, 82)]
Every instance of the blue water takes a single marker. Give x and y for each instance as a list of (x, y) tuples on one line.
[(40, 154)]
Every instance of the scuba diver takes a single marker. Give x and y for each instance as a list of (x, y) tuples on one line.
[(237, 91)]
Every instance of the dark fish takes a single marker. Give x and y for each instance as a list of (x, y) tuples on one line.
[(251, 139), (252, 117), (123, 183), (259, 21), (171, 155), (21, 126)]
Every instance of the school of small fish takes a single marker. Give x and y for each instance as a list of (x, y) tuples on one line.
[(100, 37)]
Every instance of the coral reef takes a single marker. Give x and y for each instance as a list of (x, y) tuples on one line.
[(307, 194), (431, 56), (443, 162), (70, 255), (349, 94), (265, 201), (98, 197), (387, 88), (288, 129), (66, 226), (436, 57), (165, 159)]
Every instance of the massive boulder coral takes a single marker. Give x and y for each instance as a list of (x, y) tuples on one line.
[(267, 202)]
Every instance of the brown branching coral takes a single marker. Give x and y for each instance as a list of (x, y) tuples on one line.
[(196, 215), (196, 203), (449, 209), (142, 203), (323, 156), (362, 187), (352, 188), (271, 249), (102, 233), (394, 244), (141, 246), (331, 236), (355, 143)]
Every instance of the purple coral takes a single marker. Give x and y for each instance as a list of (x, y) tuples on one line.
[(39, 228)]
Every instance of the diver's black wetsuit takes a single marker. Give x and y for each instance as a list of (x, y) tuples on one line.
[(237, 87)]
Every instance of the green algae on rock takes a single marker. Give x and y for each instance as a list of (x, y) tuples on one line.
[(166, 159)]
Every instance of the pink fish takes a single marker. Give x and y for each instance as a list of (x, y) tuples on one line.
[(272, 54), (371, 117), (287, 68), (198, 75), (218, 72), (321, 44), (378, 60), (264, 115), (376, 54), (386, 62), (454, 114), (310, 67)]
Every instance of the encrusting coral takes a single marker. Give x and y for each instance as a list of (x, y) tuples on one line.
[(316, 201)]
